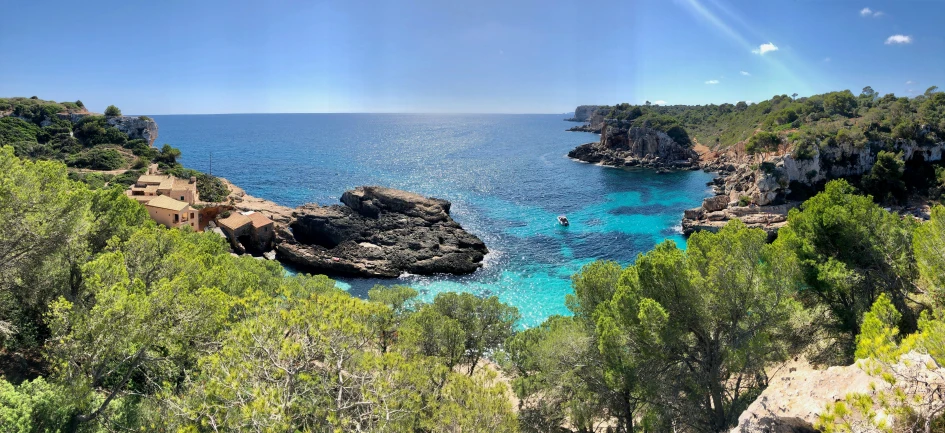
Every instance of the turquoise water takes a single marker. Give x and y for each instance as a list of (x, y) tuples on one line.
[(507, 176)]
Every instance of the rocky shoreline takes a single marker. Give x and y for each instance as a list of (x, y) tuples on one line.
[(376, 232)]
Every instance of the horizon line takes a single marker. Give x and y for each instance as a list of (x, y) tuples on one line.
[(357, 112)]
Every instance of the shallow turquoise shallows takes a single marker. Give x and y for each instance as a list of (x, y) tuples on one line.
[(507, 176)]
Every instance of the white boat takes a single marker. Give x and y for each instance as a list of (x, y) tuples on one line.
[(563, 220)]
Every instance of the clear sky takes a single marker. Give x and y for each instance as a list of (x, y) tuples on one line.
[(488, 56)]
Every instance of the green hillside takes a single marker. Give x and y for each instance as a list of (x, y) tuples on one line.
[(809, 121)]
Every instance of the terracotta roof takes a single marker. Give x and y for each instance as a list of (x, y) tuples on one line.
[(235, 221), (165, 202), (258, 219)]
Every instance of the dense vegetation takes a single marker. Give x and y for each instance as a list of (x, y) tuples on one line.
[(111, 323), (819, 120), (125, 325), (39, 129)]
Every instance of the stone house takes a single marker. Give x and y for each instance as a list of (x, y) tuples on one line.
[(149, 186), (171, 213), (248, 231)]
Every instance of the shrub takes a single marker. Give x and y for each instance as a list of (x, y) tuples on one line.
[(97, 159), (112, 111)]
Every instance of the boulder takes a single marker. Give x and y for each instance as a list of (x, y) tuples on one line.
[(380, 232), (693, 214), (717, 203)]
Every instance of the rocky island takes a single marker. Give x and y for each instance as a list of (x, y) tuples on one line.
[(379, 232)]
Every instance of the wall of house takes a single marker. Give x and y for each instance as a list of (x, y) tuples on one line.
[(165, 217)]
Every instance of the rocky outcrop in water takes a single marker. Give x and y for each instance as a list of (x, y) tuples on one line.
[(380, 232), (636, 147)]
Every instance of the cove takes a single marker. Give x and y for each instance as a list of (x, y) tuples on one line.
[(506, 175)]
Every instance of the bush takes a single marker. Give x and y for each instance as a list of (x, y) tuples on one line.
[(97, 159), (127, 178), (112, 111)]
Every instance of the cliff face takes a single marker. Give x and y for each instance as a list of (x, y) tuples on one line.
[(636, 147), (769, 182), (583, 113), (136, 127)]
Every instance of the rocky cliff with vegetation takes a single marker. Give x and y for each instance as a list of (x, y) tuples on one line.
[(623, 145), (583, 113), (776, 153)]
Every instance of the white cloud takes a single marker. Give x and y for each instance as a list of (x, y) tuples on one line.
[(879, 13), (764, 48), (749, 102), (826, 59), (910, 82), (660, 102), (865, 12), (745, 74), (898, 39), (712, 82)]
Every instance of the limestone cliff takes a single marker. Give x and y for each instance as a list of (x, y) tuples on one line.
[(142, 127), (770, 180), (767, 184), (136, 127), (623, 146), (583, 113)]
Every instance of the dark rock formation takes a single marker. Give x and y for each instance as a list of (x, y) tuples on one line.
[(380, 232), (636, 147)]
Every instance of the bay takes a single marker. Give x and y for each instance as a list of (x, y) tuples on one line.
[(507, 176)]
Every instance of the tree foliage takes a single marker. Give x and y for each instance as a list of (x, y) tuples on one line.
[(851, 251)]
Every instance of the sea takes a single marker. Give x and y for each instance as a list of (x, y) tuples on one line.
[(508, 177)]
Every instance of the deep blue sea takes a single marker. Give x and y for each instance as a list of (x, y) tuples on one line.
[(507, 175)]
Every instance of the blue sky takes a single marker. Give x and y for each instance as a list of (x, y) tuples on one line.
[(490, 56)]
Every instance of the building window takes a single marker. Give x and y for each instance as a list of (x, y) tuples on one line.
[(176, 218), (181, 198)]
